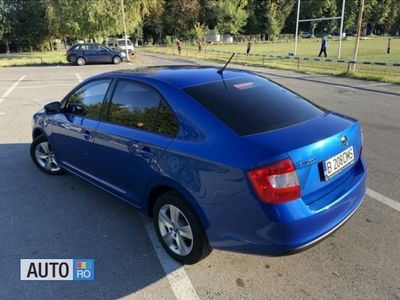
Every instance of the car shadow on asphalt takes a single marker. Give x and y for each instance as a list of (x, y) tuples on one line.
[(43, 216)]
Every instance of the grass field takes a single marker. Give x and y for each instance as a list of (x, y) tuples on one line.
[(370, 50), (32, 58)]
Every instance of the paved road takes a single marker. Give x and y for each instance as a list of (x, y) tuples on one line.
[(62, 217)]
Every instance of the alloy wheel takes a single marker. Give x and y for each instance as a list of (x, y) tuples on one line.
[(175, 230), (45, 157)]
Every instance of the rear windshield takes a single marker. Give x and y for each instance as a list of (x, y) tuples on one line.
[(252, 104)]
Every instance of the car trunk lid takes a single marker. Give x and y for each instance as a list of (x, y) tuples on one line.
[(308, 145)]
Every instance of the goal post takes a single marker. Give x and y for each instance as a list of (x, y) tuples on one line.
[(319, 19)]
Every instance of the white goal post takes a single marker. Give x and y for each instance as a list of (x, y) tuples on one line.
[(319, 19)]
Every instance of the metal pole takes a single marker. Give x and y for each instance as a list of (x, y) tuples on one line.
[(341, 29), (359, 25), (123, 21), (297, 27)]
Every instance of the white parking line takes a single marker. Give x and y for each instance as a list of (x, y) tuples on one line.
[(11, 88), (44, 86), (383, 199), (176, 274), (78, 76), (2, 113)]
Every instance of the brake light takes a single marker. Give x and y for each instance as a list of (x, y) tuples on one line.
[(275, 183)]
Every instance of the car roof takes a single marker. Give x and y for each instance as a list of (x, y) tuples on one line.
[(181, 76)]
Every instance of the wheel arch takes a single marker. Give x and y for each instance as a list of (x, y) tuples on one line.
[(157, 190), (37, 132)]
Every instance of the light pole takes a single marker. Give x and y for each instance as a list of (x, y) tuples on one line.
[(297, 28), (123, 21), (341, 29), (359, 25)]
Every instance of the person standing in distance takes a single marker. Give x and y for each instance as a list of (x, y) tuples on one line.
[(179, 46), (389, 46), (249, 44), (324, 44)]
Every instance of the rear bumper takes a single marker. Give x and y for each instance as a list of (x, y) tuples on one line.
[(249, 226)]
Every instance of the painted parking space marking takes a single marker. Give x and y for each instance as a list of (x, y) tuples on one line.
[(78, 76), (174, 271), (11, 88), (45, 86), (383, 199)]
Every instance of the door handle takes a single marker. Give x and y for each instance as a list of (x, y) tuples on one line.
[(87, 135), (145, 152)]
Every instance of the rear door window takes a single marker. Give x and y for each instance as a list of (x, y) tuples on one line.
[(134, 104), (92, 47), (138, 105), (252, 104)]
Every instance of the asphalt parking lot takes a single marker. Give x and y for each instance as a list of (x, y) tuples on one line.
[(63, 217)]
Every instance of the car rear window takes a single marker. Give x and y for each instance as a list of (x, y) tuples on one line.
[(252, 104)]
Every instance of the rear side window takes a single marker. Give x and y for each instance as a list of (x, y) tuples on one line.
[(166, 122), (252, 104), (134, 104)]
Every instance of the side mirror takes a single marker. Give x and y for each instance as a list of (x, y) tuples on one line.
[(53, 108), (76, 109)]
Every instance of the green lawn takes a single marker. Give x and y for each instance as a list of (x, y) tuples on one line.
[(32, 58), (370, 50)]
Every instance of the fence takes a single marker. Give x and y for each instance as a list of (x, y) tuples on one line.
[(389, 72)]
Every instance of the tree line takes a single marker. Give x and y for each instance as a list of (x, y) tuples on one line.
[(35, 24)]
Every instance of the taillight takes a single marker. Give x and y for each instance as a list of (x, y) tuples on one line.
[(275, 183)]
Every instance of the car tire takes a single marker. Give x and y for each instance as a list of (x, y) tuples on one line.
[(80, 61), (43, 156), (116, 60), (182, 236)]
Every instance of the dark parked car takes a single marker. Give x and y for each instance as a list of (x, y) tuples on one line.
[(81, 54), (230, 161)]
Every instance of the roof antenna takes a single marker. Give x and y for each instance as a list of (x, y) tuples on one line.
[(222, 70)]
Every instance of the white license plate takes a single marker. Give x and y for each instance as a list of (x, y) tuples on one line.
[(338, 162)]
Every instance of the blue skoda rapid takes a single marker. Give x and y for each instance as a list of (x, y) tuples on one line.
[(219, 159)]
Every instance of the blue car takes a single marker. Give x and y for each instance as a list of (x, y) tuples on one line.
[(225, 160), (82, 54)]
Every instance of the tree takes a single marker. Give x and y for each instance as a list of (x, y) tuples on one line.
[(350, 13), (180, 17), (97, 19), (230, 15), (317, 9), (3, 24), (199, 31), (376, 12), (24, 23), (153, 24)]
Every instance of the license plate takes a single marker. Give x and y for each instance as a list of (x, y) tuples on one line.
[(337, 163)]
